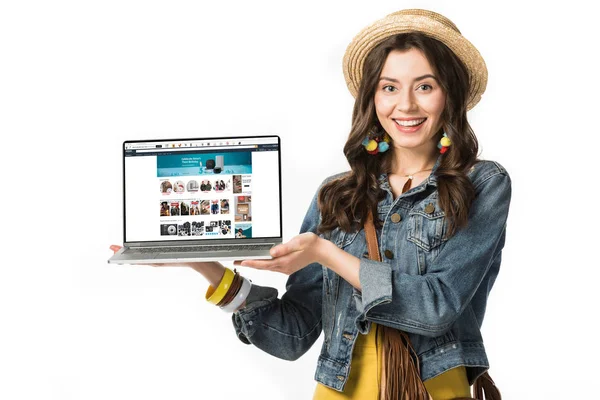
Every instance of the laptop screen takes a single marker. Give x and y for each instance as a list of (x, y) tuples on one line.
[(202, 189)]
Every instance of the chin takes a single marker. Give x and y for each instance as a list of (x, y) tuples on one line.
[(407, 143)]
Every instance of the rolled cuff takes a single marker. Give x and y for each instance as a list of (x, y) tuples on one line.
[(243, 319), (376, 284)]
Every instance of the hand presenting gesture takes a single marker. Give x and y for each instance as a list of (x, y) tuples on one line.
[(300, 251)]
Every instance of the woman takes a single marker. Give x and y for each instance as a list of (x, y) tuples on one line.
[(439, 215)]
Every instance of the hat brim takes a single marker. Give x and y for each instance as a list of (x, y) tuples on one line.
[(394, 24)]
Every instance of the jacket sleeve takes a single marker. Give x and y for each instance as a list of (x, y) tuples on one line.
[(286, 328), (429, 304)]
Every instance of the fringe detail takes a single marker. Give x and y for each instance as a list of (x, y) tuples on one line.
[(484, 388), (400, 372), (400, 376)]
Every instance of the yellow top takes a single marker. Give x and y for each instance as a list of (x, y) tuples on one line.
[(365, 374)]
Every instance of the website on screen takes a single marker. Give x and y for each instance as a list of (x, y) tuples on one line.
[(209, 189)]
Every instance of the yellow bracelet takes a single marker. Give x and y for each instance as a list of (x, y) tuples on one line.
[(216, 295)]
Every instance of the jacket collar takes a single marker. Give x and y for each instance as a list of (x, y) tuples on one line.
[(431, 179)]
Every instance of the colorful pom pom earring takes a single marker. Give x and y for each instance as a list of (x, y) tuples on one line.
[(376, 142), (444, 143)]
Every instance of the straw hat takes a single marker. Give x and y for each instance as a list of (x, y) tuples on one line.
[(427, 22)]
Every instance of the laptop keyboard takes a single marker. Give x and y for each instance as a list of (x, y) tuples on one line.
[(186, 249)]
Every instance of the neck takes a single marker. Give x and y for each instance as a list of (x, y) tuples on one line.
[(409, 161)]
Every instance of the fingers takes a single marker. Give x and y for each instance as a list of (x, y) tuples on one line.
[(248, 263), (257, 264), (284, 248), (276, 264), (297, 243), (164, 265), (116, 248)]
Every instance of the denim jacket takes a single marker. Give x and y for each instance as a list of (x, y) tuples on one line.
[(432, 287)]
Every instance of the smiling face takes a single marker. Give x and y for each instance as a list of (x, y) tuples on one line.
[(409, 101)]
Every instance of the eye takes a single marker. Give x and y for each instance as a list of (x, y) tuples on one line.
[(428, 87), (387, 86)]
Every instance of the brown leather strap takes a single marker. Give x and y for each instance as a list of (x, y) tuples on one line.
[(400, 375), (371, 236), (484, 387)]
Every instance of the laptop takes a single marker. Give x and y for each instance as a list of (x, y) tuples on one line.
[(204, 199)]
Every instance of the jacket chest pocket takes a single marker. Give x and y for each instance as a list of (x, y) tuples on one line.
[(427, 227)]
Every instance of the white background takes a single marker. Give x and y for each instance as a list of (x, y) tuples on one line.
[(96, 73)]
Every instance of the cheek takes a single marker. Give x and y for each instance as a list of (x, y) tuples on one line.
[(383, 106), (434, 105)]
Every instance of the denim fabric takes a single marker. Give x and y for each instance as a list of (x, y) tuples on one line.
[(431, 287)]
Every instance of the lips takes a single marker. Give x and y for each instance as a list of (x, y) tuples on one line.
[(408, 123), (409, 128)]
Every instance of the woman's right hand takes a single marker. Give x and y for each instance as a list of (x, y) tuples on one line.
[(213, 271)]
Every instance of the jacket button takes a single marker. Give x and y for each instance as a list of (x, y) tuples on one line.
[(389, 254), (396, 217), (340, 377), (430, 208)]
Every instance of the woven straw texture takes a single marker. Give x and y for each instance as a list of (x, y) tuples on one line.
[(427, 22)]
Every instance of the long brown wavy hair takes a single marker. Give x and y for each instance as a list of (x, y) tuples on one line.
[(344, 201)]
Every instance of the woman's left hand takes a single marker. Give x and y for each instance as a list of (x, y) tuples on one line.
[(300, 251)]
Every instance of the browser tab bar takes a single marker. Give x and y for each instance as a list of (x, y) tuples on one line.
[(207, 143)]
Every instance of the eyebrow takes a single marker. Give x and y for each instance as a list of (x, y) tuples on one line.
[(414, 80)]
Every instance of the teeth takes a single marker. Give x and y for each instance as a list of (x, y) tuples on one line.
[(412, 122)]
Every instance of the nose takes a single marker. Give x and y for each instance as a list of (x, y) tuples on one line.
[(406, 101)]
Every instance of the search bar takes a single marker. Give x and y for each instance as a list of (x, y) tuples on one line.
[(160, 149)]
